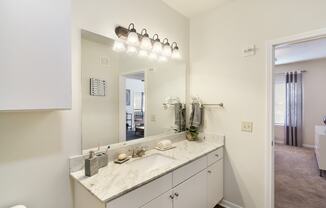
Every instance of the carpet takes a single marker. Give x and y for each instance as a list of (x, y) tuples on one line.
[(297, 180)]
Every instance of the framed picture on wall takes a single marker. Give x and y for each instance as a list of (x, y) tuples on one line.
[(128, 97)]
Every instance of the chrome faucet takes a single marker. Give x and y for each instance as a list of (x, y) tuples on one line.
[(138, 151)]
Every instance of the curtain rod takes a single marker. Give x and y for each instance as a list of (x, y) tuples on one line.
[(302, 71)]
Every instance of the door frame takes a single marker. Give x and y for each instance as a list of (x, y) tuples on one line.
[(122, 102), (269, 145)]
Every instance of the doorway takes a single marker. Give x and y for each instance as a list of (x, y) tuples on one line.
[(133, 107), (294, 72)]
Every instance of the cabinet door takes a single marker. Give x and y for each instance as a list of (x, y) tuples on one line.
[(215, 183), (35, 55), (163, 201), (192, 192)]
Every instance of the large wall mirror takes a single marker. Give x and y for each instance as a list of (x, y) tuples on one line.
[(127, 97)]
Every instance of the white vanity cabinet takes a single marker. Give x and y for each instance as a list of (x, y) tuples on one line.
[(215, 177), (143, 194), (191, 193), (198, 184), (35, 69), (163, 201), (214, 183)]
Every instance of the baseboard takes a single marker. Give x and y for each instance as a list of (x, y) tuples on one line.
[(304, 145), (309, 146), (228, 204)]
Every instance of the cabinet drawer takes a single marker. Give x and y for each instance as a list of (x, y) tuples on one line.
[(185, 172), (143, 194), (215, 156)]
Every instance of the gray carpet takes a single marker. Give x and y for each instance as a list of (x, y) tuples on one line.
[(297, 180)]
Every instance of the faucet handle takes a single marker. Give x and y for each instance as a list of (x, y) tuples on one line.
[(145, 147)]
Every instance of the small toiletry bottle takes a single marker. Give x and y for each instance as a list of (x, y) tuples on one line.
[(102, 159), (91, 164)]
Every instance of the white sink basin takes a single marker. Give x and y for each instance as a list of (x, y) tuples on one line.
[(150, 162)]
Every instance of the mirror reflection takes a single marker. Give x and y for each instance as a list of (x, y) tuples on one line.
[(127, 97)]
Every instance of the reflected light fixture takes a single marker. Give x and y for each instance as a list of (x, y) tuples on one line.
[(157, 46), (131, 49), (143, 53), (146, 42), (167, 51), (119, 46), (175, 51), (162, 59), (132, 35), (153, 56)]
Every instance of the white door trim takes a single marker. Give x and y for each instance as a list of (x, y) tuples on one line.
[(269, 153)]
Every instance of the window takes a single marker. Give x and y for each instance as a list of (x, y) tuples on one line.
[(279, 100)]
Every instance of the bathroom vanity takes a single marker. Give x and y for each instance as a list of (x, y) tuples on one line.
[(188, 176)]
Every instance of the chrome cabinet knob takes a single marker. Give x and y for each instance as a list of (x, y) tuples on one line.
[(209, 171), (176, 194), (171, 197)]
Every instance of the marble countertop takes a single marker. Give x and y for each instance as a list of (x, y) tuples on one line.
[(115, 180)]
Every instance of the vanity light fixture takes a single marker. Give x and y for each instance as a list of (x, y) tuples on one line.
[(132, 42), (167, 51), (119, 46), (157, 46), (132, 35), (146, 43), (175, 51)]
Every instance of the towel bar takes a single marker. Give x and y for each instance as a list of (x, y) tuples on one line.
[(218, 105)]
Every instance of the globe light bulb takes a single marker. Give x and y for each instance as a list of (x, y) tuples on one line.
[(132, 38), (118, 46)]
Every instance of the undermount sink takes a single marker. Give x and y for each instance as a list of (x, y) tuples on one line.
[(150, 162)]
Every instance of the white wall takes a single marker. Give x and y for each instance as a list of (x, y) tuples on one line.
[(169, 79), (219, 73), (99, 113), (162, 80), (314, 100), (35, 146)]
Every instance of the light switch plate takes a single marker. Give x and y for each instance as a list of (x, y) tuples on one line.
[(247, 126), (153, 118)]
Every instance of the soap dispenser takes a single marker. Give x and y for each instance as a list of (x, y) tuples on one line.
[(91, 164)]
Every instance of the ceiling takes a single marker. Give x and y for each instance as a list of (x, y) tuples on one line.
[(192, 8), (303, 51)]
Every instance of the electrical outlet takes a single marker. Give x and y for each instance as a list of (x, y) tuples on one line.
[(246, 126)]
